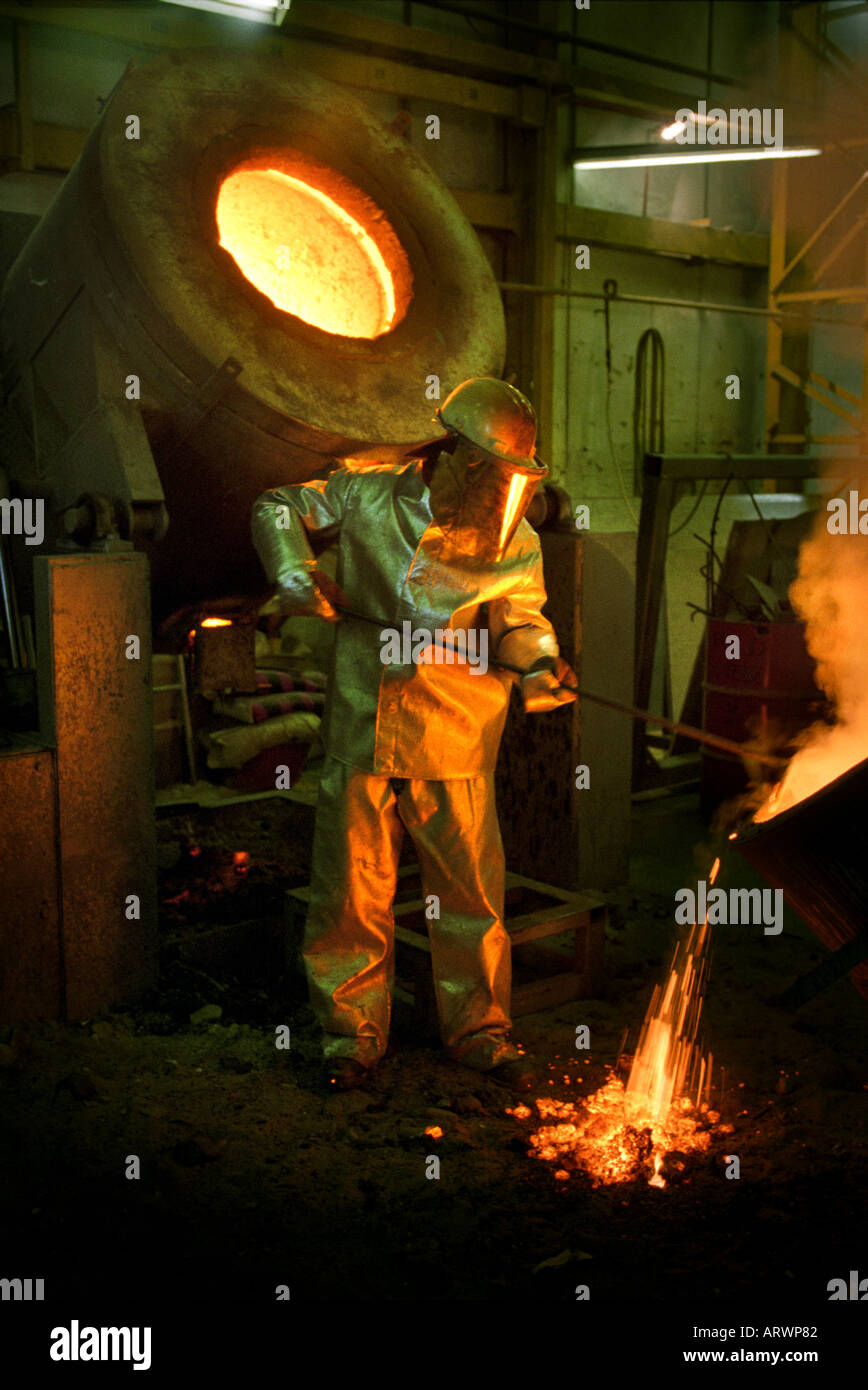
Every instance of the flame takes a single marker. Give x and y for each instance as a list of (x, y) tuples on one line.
[(216, 622), (829, 753), (308, 254), (831, 596), (434, 1132)]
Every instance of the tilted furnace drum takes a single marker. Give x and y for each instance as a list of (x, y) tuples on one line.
[(244, 275)]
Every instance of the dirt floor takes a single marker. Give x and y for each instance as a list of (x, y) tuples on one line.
[(251, 1177)]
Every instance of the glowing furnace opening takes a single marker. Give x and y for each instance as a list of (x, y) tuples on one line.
[(310, 254)]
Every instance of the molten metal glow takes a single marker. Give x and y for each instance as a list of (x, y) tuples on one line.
[(306, 253), (832, 752)]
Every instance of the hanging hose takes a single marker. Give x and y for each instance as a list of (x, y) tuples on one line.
[(648, 411), (648, 431)]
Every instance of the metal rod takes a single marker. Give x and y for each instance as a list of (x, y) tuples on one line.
[(519, 288), (185, 716), (8, 607), (509, 21), (726, 745), (634, 299)]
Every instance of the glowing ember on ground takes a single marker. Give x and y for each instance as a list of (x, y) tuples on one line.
[(622, 1134), (608, 1138)]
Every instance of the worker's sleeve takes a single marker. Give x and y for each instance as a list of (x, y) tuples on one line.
[(284, 517), (520, 635)]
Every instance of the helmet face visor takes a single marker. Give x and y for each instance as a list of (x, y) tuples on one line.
[(479, 504)]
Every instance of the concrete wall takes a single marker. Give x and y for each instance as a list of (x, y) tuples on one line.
[(593, 448)]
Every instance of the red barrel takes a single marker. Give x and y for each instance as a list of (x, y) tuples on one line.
[(765, 694)]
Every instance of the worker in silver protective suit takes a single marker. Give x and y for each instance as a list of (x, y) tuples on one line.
[(411, 743)]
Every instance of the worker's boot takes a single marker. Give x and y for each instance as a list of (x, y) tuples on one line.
[(497, 1057), (518, 1073)]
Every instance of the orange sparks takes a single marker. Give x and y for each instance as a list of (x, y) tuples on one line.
[(623, 1133)]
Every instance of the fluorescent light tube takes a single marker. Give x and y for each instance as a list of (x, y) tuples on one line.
[(260, 11), (623, 159)]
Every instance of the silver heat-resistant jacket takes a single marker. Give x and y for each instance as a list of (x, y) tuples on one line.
[(396, 563)]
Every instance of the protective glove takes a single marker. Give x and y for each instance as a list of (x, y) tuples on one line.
[(539, 685), (307, 593)]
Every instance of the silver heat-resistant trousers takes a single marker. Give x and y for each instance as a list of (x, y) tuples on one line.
[(349, 934)]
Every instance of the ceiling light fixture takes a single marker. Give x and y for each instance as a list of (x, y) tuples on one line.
[(259, 11)]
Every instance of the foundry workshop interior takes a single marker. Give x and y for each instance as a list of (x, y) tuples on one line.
[(536, 325)]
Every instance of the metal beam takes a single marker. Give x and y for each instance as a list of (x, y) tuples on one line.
[(558, 291), (545, 192), (845, 12), (499, 211), (744, 467), (160, 29), (316, 19), (23, 96), (815, 235), (843, 294), (803, 385), (819, 439), (58, 147), (662, 238), (631, 55)]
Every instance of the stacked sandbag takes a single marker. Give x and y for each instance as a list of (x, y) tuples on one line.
[(266, 737)]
